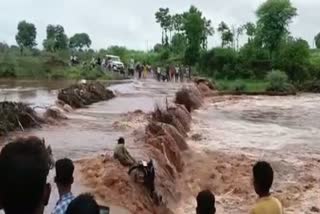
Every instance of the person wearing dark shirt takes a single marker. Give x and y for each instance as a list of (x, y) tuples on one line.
[(24, 167), (206, 202)]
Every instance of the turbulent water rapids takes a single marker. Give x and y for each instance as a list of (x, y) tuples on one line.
[(234, 132)]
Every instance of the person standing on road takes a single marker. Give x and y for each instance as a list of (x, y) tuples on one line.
[(145, 71), (158, 73), (181, 73), (177, 74), (131, 67)]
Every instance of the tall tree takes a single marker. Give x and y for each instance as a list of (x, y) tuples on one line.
[(164, 19), (294, 59), (238, 31), (177, 21), (80, 40), (178, 43), (317, 40), (226, 34), (208, 31), (274, 17), (194, 31), (26, 36), (250, 29), (56, 38)]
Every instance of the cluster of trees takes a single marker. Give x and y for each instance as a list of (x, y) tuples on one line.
[(269, 45), (185, 35), (56, 38)]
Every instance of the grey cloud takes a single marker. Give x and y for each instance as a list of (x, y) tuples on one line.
[(132, 23)]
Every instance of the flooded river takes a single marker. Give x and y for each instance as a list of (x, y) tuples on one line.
[(279, 129)]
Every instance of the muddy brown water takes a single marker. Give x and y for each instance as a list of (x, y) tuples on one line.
[(87, 131), (258, 126)]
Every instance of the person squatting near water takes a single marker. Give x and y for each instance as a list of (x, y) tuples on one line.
[(142, 171), (25, 165), (122, 155)]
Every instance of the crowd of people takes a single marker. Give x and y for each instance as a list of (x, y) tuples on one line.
[(173, 73), (24, 186)]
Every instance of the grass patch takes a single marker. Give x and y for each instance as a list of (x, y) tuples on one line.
[(48, 67), (243, 85)]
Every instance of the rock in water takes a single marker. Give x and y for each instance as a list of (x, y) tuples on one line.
[(80, 95)]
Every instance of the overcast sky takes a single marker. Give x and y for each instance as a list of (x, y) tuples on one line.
[(132, 23)]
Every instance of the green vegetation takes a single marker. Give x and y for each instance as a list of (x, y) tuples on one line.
[(26, 37), (278, 82), (243, 85), (270, 57), (269, 53)]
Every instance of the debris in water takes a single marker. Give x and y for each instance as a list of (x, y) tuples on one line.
[(17, 116), (82, 94)]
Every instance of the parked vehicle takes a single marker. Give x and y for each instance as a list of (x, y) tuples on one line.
[(114, 63)]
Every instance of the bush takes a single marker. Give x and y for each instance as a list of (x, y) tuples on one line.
[(311, 86), (278, 82), (219, 62), (294, 59), (239, 86)]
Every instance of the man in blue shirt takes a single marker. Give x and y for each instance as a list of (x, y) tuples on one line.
[(64, 181)]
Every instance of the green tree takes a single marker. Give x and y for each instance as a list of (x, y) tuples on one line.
[(118, 51), (317, 40), (164, 19), (294, 59), (177, 21), (3, 47), (250, 29), (56, 38), (208, 31), (26, 36), (239, 31), (157, 48), (274, 17), (226, 34), (79, 41), (194, 30), (178, 43)]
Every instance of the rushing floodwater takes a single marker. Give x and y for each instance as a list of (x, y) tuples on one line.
[(287, 124), (269, 123), (88, 131)]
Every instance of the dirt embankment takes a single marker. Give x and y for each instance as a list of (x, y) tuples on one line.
[(82, 94), (16, 116), (164, 141)]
